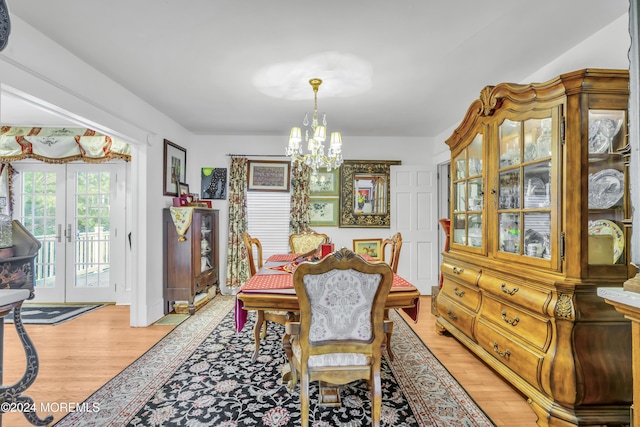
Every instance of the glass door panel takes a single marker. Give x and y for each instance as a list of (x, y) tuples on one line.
[(459, 227), (509, 190), (606, 239), (537, 235), (509, 143), (468, 195), (524, 187), (509, 232)]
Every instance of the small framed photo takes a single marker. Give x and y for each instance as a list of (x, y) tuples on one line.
[(184, 190), (269, 176), (324, 183), (323, 211), (370, 247), (175, 167)]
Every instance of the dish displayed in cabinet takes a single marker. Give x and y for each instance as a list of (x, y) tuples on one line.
[(601, 134), (606, 188), (603, 227)]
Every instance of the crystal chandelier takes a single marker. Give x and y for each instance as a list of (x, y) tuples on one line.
[(314, 136)]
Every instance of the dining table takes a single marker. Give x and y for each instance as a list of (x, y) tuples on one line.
[(271, 289)]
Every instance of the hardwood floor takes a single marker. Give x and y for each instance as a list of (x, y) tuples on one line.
[(79, 356)]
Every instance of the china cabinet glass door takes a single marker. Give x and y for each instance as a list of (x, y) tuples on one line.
[(524, 196), (468, 195), (607, 144)]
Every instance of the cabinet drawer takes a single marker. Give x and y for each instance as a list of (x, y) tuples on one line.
[(516, 293), (534, 329), (462, 294), (461, 273), (523, 360), (456, 314), (207, 279)]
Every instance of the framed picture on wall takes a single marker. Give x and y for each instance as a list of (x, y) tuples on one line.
[(323, 211), (269, 176), (175, 167), (324, 183), (213, 183), (370, 247)]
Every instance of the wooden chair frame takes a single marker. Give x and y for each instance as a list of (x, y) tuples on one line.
[(395, 242), (343, 259), (262, 316)]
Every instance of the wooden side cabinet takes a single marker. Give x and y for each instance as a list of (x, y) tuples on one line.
[(190, 261)]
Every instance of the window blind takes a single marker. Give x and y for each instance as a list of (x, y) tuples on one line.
[(268, 214)]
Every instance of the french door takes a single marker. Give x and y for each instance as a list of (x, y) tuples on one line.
[(76, 211)]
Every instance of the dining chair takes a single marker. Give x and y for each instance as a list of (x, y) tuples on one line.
[(341, 329), (395, 243), (306, 241), (262, 316)]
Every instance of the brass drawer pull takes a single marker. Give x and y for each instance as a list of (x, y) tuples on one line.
[(455, 291), (451, 315), (457, 270), (508, 291), (505, 353), (512, 322)]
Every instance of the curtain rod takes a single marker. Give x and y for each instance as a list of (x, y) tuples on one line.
[(257, 155)]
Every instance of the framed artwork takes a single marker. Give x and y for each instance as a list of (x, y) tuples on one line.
[(213, 183), (371, 247), (269, 176), (365, 193), (323, 211), (175, 167), (325, 183), (184, 190)]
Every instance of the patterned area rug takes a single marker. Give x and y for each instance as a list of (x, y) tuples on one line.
[(50, 314), (201, 374)]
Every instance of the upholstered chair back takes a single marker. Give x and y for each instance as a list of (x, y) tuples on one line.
[(302, 243)]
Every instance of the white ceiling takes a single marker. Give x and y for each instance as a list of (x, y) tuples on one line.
[(412, 66)]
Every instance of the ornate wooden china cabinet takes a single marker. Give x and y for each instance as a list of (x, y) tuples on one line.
[(540, 218)]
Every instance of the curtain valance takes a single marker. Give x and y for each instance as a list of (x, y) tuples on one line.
[(60, 145)]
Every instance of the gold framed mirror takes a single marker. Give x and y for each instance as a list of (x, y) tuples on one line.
[(365, 193)]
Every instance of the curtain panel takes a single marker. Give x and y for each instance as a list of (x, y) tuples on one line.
[(300, 202), (237, 255)]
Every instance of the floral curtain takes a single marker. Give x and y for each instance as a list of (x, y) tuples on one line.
[(300, 202), (237, 257), (60, 145)]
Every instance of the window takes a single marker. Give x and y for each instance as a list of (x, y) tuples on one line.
[(268, 214)]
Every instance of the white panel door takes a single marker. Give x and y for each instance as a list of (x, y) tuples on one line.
[(76, 211), (413, 210)]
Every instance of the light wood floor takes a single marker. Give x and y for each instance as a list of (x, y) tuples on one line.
[(79, 356)]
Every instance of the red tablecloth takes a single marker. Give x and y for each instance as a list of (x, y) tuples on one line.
[(268, 280)]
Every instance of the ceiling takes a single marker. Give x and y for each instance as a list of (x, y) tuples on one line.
[(390, 68)]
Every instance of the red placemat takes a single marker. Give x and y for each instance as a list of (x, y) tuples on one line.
[(282, 257)]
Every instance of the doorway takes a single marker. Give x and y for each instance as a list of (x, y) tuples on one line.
[(76, 211)]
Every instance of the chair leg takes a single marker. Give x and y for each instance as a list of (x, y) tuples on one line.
[(292, 378), (389, 351), (256, 333), (304, 400), (263, 330), (376, 398)]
